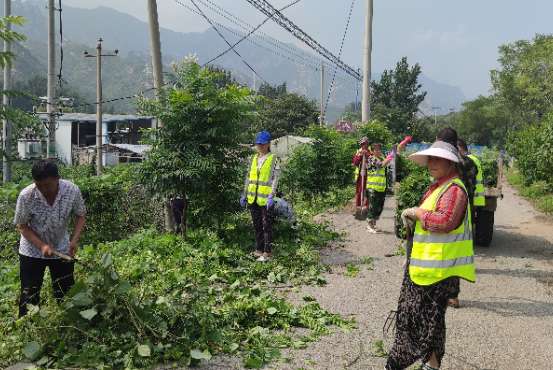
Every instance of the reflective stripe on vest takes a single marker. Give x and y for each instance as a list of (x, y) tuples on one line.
[(376, 180), (479, 191), (259, 181), (435, 256)]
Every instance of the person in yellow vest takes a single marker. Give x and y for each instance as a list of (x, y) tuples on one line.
[(376, 186), (259, 192), (441, 252)]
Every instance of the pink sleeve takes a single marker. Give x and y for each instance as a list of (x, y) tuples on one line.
[(449, 213)]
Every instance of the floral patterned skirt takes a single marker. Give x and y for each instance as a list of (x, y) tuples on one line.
[(420, 322)]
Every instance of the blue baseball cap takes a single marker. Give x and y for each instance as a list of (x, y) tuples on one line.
[(264, 137)]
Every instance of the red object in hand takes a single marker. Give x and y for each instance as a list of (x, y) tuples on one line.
[(406, 141)]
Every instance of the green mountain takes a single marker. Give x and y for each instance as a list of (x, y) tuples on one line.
[(130, 72)]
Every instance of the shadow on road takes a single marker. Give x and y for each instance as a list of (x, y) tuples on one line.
[(513, 307), (512, 244)]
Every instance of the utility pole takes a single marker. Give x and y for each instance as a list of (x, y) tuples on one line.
[(322, 116), (6, 130), (51, 102), (99, 119), (155, 44), (157, 68), (367, 51), (436, 109)]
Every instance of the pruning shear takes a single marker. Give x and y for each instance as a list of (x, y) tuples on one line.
[(68, 258)]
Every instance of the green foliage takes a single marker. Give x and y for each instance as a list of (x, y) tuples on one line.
[(273, 92), (489, 160), (160, 299), (397, 96), (539, 193), (532, 147), (410, 192), (286, 114), (377, 132), (522, 82), (197, 152), (321, 166), (117, 206)]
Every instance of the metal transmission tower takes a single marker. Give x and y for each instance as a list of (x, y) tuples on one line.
[(266, 8)]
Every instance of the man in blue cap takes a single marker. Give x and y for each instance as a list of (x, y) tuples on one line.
[(259, 193)]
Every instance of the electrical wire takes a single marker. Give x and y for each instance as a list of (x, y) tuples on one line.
[(248, 34), (60, 75), (339, 56), (225, 39), (237, 21)]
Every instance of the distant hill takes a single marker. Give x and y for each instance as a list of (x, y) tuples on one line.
[(131, 72)]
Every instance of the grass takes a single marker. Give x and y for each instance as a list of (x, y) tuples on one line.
[(538, 193)]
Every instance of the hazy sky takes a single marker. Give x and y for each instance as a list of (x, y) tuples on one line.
[(454, 41)]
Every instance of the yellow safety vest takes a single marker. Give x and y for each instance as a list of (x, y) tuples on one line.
[(259, 182), (479, 191), (376, 180), (436, 256)]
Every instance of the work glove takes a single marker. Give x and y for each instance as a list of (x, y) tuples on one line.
[(270, 201), (243, 202), (408, 218), (391, 155)]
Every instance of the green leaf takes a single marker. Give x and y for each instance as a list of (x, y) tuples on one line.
[(144, 350), (235, 285), (89, 314), (107, 260), (32, 350), (123, 287), (196, 354), (253, 363), (82, 300), (272, 311), (233, 347)]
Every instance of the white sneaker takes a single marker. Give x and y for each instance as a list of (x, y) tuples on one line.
[(262, 259), (371, 229)]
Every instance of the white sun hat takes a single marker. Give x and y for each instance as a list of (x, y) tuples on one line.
[(439, 149)]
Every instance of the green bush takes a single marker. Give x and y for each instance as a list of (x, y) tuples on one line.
[(489, 160), (116, 205), (409, 194), (532, 147), (377, 132), (317, 168)]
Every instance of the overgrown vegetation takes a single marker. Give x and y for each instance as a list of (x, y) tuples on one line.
[(144, 298)]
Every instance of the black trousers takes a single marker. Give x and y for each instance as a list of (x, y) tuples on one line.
[(262, 219), (31, 273)]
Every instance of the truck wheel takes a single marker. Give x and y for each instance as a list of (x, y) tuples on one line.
[(484, 228)]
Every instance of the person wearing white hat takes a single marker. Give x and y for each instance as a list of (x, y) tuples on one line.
[(441, 252)]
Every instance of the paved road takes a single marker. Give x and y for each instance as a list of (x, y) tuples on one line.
[(506, 321)]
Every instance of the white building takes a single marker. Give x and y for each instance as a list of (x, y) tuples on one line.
[(78, 130)]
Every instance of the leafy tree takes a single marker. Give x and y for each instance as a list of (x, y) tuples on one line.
[(272, 92), (483, 121), (286, 114), (397, 96), (197, 152), (523, 82)]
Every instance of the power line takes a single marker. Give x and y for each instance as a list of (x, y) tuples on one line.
[(261, 35), (224, 38), (339, 55), (266, 8), (60, 75), (248, 34)]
